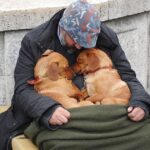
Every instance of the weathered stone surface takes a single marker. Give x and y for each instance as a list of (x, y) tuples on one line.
[(25, 19), (2, 90), (121, 8), (9, 89), (133, 36), (147, 5), (12, 46), (2, 51), (148, 82), (103, 8), (29, 4)]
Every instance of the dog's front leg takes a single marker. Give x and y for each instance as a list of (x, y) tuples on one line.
[(84, 94), (95, 98)]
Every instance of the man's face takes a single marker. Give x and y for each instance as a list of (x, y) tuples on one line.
[(70, 43)]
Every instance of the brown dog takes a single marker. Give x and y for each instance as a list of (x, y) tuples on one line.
[(103, 83), (52, 78)]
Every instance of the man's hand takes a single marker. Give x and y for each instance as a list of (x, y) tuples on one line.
[(136, 113), (60, 116)]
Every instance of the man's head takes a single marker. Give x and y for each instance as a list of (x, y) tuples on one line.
[(80, 25)]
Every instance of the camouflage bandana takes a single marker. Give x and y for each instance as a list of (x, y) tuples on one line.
[(81, 21)]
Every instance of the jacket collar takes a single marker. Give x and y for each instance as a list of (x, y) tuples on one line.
[(50, 30)]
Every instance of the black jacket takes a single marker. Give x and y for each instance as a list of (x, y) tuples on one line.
[(27, 104)]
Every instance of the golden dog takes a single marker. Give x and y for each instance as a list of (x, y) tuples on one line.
[(52, 78), (103, 83)]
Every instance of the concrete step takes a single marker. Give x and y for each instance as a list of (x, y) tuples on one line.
[(22, 143)]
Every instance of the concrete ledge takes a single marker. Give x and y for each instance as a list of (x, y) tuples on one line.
[(26, 14), (22, 143), (122, 8)]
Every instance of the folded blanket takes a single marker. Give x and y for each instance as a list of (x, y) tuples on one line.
[(98, 127)]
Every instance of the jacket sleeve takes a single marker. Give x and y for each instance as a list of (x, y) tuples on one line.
[(139, 97), (109, 41), (25, 97)]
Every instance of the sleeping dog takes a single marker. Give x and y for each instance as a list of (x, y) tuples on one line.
[(103, 83), (53, 78)]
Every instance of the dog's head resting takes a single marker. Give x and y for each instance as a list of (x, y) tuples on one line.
[(52, 65), (91, 60)]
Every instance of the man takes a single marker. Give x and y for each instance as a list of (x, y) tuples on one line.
[(67, 32)]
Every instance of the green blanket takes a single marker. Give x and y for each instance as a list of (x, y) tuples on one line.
[(94, 127)]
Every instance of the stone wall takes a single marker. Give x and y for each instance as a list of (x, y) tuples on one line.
[(130, 19)]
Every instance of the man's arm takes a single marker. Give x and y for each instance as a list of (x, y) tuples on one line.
[(140, 98), (26, 98)]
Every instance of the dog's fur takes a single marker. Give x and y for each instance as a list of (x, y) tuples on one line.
[(53, 79), (103, 83)]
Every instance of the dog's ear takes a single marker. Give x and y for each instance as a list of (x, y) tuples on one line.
[(47, 52), (53, 71), (34, 81), (93, 61), (31, 82)]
